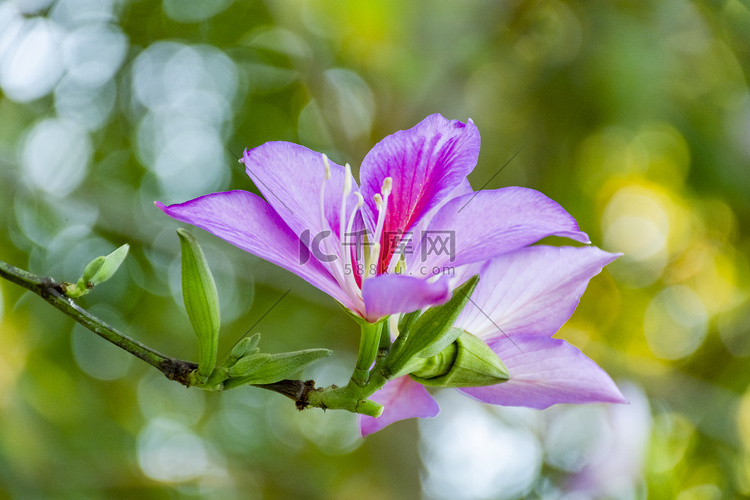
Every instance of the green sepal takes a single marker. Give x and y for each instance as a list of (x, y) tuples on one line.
[(406, 321), (97, 271), (468, 362), (433, 331), (278, 367), (201, 302), (433, 366)]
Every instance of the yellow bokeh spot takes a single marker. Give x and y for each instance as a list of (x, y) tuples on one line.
[(657, 153), (701, 492), (672, 437)]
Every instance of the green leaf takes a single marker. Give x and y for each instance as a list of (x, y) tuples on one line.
[(102, 268), (245, 347), (246, 366), (97, 271), (279, 367), (201, 301), (433, 331)]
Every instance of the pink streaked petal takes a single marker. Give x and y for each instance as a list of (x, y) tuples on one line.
[(489, 223), (414, 242), (246, 221), (290, 177), (388, 294), (531, 291), (545, 372), (426, 163), (401, 398)]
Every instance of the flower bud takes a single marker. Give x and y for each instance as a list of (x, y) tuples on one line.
[(467, 362), (201, 302)]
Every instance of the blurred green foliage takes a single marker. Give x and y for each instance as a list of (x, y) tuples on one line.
[(633, 115)]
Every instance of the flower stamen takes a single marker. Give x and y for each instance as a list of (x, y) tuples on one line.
[(381, 203), (336, 271), (345, 234), (350, 231)]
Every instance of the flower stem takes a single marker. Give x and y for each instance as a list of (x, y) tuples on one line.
[(350, 397), (368, 350), (374, 344)]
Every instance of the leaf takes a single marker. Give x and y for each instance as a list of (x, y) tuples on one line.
[(102, 268), (246, 366), (279, 367), (245, 347), (97, 271)]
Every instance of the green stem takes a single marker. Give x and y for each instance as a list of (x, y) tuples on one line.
[(384, 348), (368, 350), (374, 345), (351, 397)]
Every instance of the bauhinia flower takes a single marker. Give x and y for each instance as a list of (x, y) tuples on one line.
[(521, 301), (379, 248)]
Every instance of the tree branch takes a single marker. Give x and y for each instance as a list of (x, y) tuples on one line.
[(51, 291), (303, 393)]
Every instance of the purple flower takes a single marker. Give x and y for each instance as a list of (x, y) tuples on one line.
[(368, 247), (522, 299)]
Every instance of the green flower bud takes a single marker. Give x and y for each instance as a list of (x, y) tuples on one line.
[(468, 362), (201, 302)]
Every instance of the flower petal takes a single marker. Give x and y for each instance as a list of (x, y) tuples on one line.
[(412, 243), (246, 221), (531, 291), (290, 177), (426, 163), (488, 223), (388, 294), (544, 372), (402, 398)]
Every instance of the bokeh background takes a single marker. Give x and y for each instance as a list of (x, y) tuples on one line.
[(634, 115)]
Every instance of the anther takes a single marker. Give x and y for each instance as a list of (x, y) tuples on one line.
[(327, 166), (387, 185), (347, 179)]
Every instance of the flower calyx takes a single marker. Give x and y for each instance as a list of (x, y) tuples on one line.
[(423, 335), (467, 362)]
